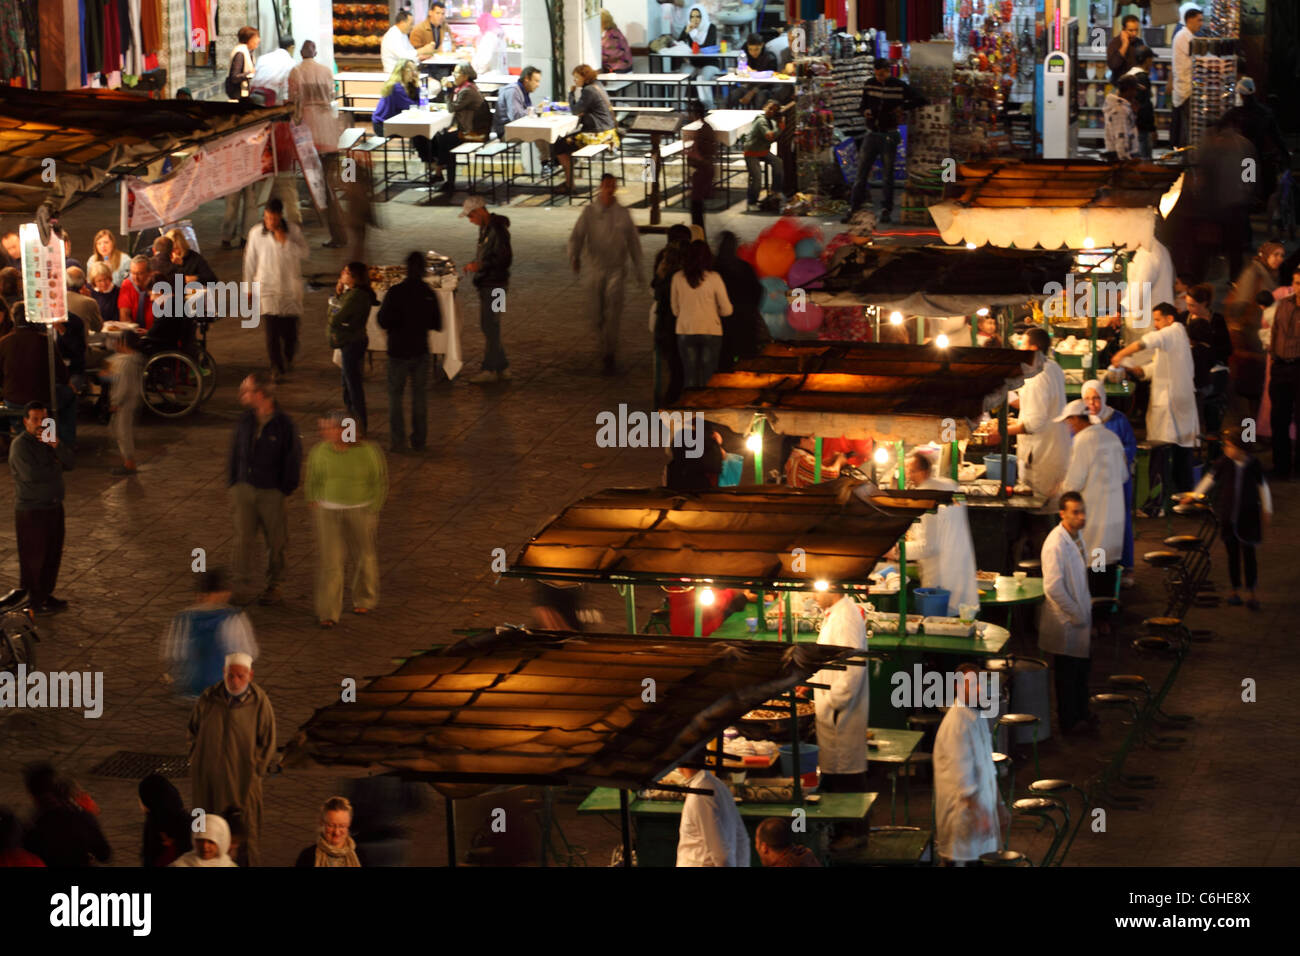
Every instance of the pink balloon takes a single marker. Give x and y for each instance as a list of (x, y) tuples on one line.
[(807, 319), (805, 271)]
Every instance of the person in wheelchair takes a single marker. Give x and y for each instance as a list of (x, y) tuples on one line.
[(172, 328)]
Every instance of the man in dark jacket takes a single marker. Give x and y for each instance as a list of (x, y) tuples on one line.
[(409, 312), (37, 460), (25, 376), (1122, 51), (264, 469), (1143, 106), (491, 271), (884, 100)]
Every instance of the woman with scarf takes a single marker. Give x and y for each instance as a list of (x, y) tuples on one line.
[(211, 844), (1094, 396), (166, 822), (333, 846), (698, 35)]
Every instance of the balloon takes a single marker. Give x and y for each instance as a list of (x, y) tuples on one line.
[(807, 248), (777, 326), (774, 300), (807, 319), (748, 253), (805, 272), (775, 256), (784, 228)]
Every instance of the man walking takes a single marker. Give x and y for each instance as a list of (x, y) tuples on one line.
[(409, 312), (1065, 625), (491, 270), (273, 262), (265, 462), (884, 99), (605, 238), (311, 90), (37, 460), (232, 741)]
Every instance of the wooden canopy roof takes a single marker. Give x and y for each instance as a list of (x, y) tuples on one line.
[(1072, 184)]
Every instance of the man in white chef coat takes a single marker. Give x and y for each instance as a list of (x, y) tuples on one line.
[(1098, 470), (968, 814), (944, 547), (842, 710), (396, 44), (273, 69), (711, 831), (1042, 443), (1065, 620), (1172, 419)]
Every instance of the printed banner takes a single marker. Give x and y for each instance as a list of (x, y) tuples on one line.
[(312, 170), (44, 294), (216, 170)]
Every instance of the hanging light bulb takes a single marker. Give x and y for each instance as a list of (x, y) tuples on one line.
[(895, 318), (982, 312), (970, 245), (822, 585), (881, 455), (1089, 242), (706, 597), (754, 442), (941, 340)]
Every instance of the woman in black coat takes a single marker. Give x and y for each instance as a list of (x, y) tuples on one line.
[(743, 330), (166, 822), (1242, 502), (669, 260)]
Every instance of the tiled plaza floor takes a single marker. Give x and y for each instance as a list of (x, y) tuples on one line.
[(502, 460)]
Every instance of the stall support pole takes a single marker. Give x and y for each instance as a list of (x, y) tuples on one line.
[(625, 818), (629, 604), (902, 557), (451, 831), (955, 455), (1004, 443), (817, 465), (794, 749), (757, 429), (699, 613), (789, 618)]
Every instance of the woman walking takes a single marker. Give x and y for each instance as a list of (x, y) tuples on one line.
[(347, 482), (349, 311)]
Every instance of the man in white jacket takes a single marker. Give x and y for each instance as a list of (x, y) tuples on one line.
[(968, 814), (273, 261), (1181, 86), (1065, 622), (944, 546), (1098, 470), (711, 831), (842, 710)]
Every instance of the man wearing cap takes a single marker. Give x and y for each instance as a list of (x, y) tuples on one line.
[(884, 99), (1098, 469), (37, 460), (491, 271), (232, 741)]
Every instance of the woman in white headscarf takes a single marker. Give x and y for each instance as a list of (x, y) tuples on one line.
[(1094, 395), (701, 32), (211, 844)]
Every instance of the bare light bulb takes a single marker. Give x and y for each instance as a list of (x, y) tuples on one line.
[(982, 312), (970, 245), (895, 318), (881, 455), (754, 442), (822, 585), (1089, 242), (706, 597), (941, 340)]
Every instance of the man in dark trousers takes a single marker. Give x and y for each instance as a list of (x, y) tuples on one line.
[(491, 271), (264, 469), (37, 460), (1122, 51), (884, 100), (409, 312)]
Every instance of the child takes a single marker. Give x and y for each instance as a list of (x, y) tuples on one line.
[(126, 368), (1242, 502), (200, 637)]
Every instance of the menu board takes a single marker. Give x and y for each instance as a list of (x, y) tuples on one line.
[(312, 170), (45, 296)]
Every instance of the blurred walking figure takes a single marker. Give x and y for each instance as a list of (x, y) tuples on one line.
[(410, 311), (273, 260), (606, 240), (232, 741), (211, 844), (127, 371), (201, 637), (668, 262), (167, 832), (311, 90), (61, 832), (347, 482), (349, 311), (1243, 504), (333, 846), (263, 470)]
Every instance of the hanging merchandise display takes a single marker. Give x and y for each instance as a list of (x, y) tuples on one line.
[(930, 74), (993, 52), (814, 122)]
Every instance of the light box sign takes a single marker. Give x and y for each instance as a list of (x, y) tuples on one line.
[(45, 296)]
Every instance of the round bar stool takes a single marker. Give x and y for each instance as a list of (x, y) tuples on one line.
[(1004, 858), (1023, 720), (1044, 809)]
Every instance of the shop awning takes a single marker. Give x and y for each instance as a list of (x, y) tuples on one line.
[(59, 145), (1054, 204), (861, 390), (939, 281), (551, 708), (749, 536)]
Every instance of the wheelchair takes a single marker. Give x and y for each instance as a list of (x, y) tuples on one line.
[(179, 373)]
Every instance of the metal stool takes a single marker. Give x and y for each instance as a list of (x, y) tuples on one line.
[(1044, 809), (1057, 789), (1022, 720), (1004, 858)]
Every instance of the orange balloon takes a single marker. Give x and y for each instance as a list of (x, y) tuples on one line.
[(774, 257)]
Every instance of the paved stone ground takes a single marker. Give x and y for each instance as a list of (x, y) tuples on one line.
[(502, 460)]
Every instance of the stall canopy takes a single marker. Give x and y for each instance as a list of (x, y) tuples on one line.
[(886, 392), (939, 280), (1054, 204), (59, 145), (551, 708), (745, 536)]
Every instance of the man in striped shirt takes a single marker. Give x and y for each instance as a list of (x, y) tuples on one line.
[(1284, 383), (884, 99)]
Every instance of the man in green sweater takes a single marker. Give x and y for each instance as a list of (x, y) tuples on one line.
[(37, 460), (347, 482)]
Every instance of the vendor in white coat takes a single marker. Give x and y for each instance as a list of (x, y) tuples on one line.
[(1098, 470), (1171, 416), (711, 832), (1042, 443), (944, 547), (968, 814), (1065, 622), (842, 710)]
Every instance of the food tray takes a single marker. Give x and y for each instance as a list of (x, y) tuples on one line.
[(949, 627), (888, 623)]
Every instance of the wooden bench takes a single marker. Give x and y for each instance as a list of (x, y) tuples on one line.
[(493, 159)]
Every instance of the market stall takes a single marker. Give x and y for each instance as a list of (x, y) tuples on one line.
[(444, 344)]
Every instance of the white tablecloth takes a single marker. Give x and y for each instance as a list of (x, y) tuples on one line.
[(731, 125), (547, 128), (417, 122), (445, 343), (661, 78), (750, 78)]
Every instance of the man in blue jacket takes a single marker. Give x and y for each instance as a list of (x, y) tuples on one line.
[(264, 469)]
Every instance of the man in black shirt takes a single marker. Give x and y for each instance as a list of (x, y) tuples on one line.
[(409, 312), (1122, 51), (884, 100)]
